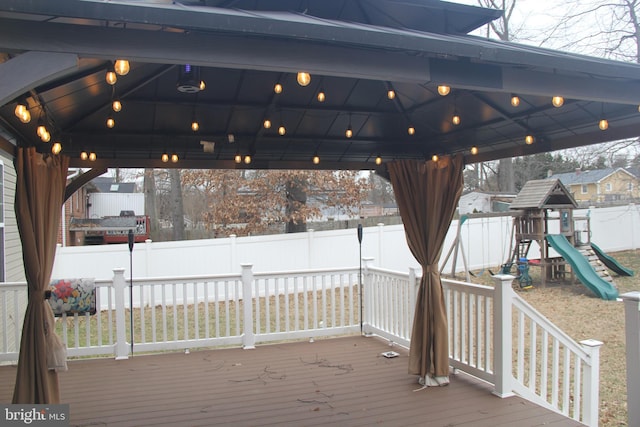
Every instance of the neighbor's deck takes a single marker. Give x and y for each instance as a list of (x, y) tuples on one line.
[(342, 381)]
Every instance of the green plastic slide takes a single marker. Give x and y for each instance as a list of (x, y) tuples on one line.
[(582, 268), (610, 262)]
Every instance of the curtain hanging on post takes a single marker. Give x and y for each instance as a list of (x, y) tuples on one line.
[(427, 193), (40, 187)]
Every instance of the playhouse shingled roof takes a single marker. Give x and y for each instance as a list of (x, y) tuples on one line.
[(544, 194)]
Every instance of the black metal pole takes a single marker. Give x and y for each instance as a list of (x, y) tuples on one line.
[(130, 238), (360, 272)]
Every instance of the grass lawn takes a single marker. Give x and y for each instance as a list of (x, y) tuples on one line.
[(582, 315)]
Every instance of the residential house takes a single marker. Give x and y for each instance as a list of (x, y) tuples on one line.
[(601, 185)]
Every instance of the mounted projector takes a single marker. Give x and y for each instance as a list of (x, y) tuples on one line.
[(189, 79)]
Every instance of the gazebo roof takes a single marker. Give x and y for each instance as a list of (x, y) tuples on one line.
[(57, 54)]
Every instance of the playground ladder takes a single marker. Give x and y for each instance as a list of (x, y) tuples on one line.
[(595, 262)]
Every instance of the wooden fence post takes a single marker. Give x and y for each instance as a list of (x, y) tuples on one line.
[(632, 333), (502, 339), (248, 337), (121, 346)]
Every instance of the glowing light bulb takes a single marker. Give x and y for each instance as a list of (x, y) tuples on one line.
[(174, 158), (25, 117), (303, 78), (111, 77), (84, 155), (247, 159), (282, 130), (474, 150), (411, 130), (238, 158), (529, 139), (92, 157), (316, 159), (46, 136), (266, 123), (378, 160), (322, 97), (456, 119), (277, 88), (110, 122), (557, 101), (203, 85), (195, 126), (515, 100), (164, 157), (603, 124), (116, 105), (391, 94), (444, 90), (349, 133), (434, 158), (56, 148), (121, 67)]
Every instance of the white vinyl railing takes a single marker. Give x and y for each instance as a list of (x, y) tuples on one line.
[(493, 333)]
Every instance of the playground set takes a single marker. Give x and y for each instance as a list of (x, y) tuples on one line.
[(532, 222)]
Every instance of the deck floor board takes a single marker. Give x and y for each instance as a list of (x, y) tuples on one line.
[(340, 381)]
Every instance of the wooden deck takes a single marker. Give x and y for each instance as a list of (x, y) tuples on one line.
[(343, 382)]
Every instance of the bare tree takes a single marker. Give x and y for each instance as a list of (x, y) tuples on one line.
[(177, 208)]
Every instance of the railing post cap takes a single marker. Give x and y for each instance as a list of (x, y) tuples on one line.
[(591, 343), (631, 296), (148, 241), (118, 270), (503, 277), (246, 265)]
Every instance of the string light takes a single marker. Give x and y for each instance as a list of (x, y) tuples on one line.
[(22, 112), (321, 96), (303, 78), (121, 67), (116, 105), (282, 130), (238, 158), (202, 85), (434, 158), (277, 88), (174, 158), (474, 150), (164, 157), (316, 159), (110, 122), (56, 148), (83, 155), (603, 124), (195, 126), (529, 139), (92, 157), (515, 100), (444, 90), (411, 130), (111, 77), (391, 94), (247, 159), (378, 160), (557, 101), (456, 119), (266, 124)]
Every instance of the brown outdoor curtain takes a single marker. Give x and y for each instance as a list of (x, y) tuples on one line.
[(40, 186), (427, 194)]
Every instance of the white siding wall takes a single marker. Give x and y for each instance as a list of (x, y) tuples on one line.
[(14, 270)]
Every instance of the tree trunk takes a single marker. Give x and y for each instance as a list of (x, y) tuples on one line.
[(177, 208), (296, 195), (150, 206), (506, 176)]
